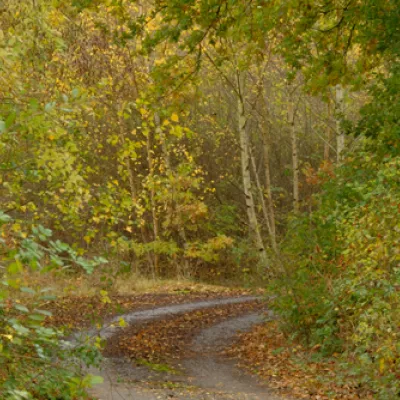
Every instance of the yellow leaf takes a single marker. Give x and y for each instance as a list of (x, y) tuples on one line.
[(104, 297), (175, 117), (98, 343), (381, 365), (16, 227), (122, 323), (87, 239)]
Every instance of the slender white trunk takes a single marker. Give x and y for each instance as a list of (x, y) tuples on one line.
[(246, 176), (327, 143), (295, 157), (339, 110), (263, 202), (268, 193), (327, 146)]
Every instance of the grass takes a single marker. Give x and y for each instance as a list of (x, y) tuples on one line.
[(71, 284), (158, 367)]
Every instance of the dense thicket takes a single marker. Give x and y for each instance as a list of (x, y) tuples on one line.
[(214, 139)]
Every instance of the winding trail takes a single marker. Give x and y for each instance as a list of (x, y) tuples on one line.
[(112, 327), (205, 376)]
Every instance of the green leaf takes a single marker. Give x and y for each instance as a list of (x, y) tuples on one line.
[(4, 218), (44, 312), (22, 308), (15, 267), (37, 317), (75, 93), (10, 119), (27, 290), (2, 126), (94, 379)]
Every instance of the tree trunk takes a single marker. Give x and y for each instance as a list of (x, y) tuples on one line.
[(261, 194), (246, 176), (339, 110), (153, 204), (327, 143), (295, 156), (268, 193)]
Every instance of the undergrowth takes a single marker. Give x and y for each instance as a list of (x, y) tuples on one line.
[(339, 290)]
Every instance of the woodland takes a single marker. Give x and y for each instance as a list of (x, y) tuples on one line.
[(253, 143)]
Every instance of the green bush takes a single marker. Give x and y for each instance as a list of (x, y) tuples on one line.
[(341, 283), (35, 361)]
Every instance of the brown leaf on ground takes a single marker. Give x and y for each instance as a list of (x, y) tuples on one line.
[(287, 366), (166, 339), (84, 311)]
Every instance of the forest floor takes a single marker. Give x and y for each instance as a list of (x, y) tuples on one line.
[(185, 344)]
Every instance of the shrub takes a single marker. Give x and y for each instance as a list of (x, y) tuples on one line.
[(342, 284), (35, 361)]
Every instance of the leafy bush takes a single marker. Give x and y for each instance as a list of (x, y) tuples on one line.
[(35, 362), (344, 292)]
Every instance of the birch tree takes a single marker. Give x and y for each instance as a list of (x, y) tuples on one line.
[(295, 153), (339, 110), (246, 175)]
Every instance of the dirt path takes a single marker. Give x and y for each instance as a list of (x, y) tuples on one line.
[(112, 327), (206, 375)]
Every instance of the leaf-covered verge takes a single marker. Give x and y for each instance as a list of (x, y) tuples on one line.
[(294, 369)]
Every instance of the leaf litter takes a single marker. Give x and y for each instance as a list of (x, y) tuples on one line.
[(291, 368)]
